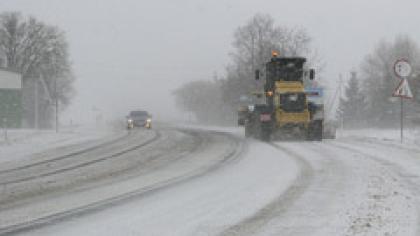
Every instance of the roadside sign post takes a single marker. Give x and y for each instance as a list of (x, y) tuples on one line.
[(6, 138), (402, 120), (402, 69)]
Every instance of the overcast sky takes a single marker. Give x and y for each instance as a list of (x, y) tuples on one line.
[(132, 53)]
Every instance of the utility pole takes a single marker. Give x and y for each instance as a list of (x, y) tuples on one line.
[(402, 120), (54, 64), (252, 62), (340, 87), (6, 139), (36, 103), (56, 103), (5, 122), (252, 54), (55, 74)]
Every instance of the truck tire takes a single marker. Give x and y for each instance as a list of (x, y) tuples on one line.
[(319, 131), (248, 132), (315, 131), (264, 132), (265, 136)]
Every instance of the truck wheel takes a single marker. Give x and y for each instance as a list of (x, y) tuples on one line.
[(317, 136), (315, 131), (248, 133), (265, 136), (318, 131)]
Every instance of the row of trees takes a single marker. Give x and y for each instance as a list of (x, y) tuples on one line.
[(40, 53), (216, 101), (368, 100), (202, 99)]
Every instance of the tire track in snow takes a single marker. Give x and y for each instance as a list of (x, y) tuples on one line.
[(253, 224), (234, 153), (73, 167), (63, 157), (312, 211), (376, 141), (399, 176)]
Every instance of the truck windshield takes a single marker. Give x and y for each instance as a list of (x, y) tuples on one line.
[(287, 72)]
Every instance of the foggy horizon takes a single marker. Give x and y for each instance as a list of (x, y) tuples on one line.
[(132, 55), (197, 117)]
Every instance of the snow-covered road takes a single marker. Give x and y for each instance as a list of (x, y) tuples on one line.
[(206, 182)]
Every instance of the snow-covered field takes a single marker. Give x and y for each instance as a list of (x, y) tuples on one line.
[(410, 136), (363, 183), (23, 142)]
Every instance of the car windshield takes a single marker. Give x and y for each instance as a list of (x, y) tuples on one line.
[(138, 114)]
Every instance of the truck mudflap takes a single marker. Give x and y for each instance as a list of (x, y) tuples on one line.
[(259, 126)]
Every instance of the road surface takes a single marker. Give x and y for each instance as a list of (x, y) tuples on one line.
[(191, 181)]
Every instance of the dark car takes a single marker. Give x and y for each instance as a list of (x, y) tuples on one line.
[(139, 119)]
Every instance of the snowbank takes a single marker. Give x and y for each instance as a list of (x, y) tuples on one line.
[(25, 142), (411, 136)]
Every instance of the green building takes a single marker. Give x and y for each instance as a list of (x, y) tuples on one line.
[(10, 99)]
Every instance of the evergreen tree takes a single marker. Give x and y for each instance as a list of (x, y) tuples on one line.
[(379, 81), (352, 106)]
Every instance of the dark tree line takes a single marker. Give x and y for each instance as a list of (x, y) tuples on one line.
[(368, 100), (39, 52), (352, 106), (203, 99)]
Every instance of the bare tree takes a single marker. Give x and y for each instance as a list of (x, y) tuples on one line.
[(39, 52), (252, 45), (218, 100)]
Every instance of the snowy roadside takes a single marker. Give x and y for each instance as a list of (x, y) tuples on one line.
[(25, 142), (391, 136)]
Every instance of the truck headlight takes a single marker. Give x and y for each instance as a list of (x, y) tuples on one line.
[(149, 120), (130, 121)]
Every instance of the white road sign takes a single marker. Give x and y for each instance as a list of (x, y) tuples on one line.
[(402, 68), (403, 90)]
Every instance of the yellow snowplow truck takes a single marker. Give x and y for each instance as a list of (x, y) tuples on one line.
[(287, 113)]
